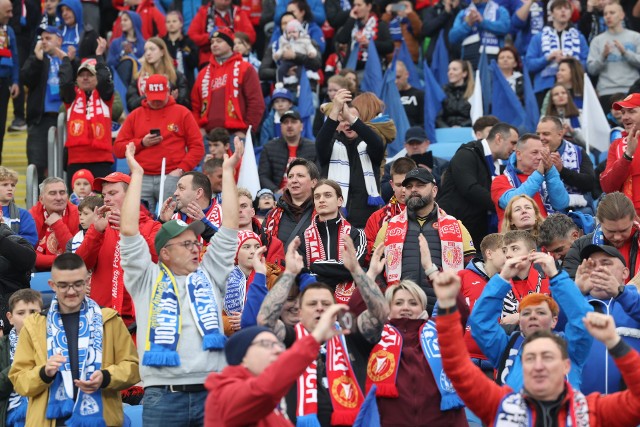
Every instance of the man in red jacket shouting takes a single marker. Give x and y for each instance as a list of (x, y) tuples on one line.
[(161, 128)]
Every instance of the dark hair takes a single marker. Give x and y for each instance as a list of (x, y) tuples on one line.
[(559, 341), (558, 3), (515, 54), (315, 285), (577, 73), (314, 173), (303, 6), (491, 242), (504, 129), (218, 134), (200, 180), (556, 226), (555, 120), (569, 111), (402, 165), (484, 122), (331, 183), (615, 206), (68, 261), (524, 138), (211, 165), (513, 236), (242, 36), (90, 202), (27, 295)]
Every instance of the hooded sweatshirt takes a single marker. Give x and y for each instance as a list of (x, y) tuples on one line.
[(71, 35), (115, 50)]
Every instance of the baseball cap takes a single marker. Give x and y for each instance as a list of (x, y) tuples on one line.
[(174, 228), (157, 88), (631, 101), (415, 133), (290, 113), (281, 93), (589, 250), (421, 174), (88, 64), (50, 29), (112, 177)]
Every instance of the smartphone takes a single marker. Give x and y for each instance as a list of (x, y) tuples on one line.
[(423, 159), (155, 132), (398, 7)]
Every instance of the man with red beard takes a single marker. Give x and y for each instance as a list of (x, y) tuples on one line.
[(231, 86)]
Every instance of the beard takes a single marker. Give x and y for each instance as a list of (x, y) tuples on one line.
[(415, 202)]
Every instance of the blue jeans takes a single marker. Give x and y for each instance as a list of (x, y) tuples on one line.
[(164, 408)]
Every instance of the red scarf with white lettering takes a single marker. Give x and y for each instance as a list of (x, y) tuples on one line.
[(450, 244), (384, 361), (393, 208), (228, 75), (89, 121), (344, 390), (5, 50)]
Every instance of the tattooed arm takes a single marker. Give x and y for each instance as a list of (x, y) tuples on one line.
[(371, 321), (271, 308)]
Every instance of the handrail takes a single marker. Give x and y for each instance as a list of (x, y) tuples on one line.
[(52, 152), (32, 185)]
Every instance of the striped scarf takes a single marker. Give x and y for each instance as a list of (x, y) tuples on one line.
[(570, 46)]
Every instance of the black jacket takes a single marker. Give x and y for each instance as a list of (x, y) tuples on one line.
[(67, 76), (34, 75), (438, 19), (358, 210), (17, 258), (134, 99), (189, 56), (466, 189), (456, 110), (274, 157), (383, 41), (572, 260), (439, 166)]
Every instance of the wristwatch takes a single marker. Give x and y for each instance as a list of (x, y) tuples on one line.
[(430, 271)]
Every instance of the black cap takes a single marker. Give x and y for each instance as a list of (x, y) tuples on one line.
[(290, 113), (415, 133), (421, 174), (589, 250)]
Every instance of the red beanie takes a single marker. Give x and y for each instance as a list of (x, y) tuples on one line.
[(243, 236), (82, 173)]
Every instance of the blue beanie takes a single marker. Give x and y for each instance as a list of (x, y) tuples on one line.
[(237, 346)]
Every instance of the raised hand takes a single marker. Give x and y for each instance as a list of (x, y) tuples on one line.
[(602, 327), (258, 261), (133, 164), (545, 261), (293, 259), (446, 285), (231, 162), (377, 263), (325, 329), (513, 265), (168, 207), (349, 256), (101, 221), (425, 253)]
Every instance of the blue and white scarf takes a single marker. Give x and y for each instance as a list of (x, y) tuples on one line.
[(165, 321), (340, 171), (536, 18), (431, 349), (488, 41), (236, 289), (17, 409), (571, 159), (86, 411), (512, 176), (514, 411), (570, 46)]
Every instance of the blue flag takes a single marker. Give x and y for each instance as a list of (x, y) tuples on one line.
[(505, 103), (369, 416), (352, 62), (433, 97), (118, 86), (394, 109), (530, 103), (372, 80), (407, 60), (485, 79), (305, 106), (440, 61)]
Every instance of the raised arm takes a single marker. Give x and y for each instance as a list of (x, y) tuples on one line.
[(130, 212), (229, 187)]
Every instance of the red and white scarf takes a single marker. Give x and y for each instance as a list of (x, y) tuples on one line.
[(515, 412), (89, 121), (391, 209), (315, 251), (450, 243), (344, 390), (218, 77), (369, 29), (213, 215)]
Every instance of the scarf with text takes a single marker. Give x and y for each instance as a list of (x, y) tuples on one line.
[(515, 412), (227, 76), (451, 244), (391, 209), (512, 176), (165, 320), (344, 390), (384, 363), (488, 40), (86, 411), (17, 408), (368, 29), (89, 122), (340, 171), (571, 157), (569, 44), (236, 294), (521, 288)]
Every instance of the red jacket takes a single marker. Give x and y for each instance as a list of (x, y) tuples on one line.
[(238, 398), (472, 286), (483, 397), (201, 37), (251, 103), (374, 224), (98, 252), (621, 174), (153, 21), (179, 132), (53, 240), (501, 185)]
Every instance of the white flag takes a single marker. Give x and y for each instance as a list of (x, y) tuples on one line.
[(477, 110), (595, 126), (248, 177)]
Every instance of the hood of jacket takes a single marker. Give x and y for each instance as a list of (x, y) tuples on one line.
[(477, 266), (136, 20), (76, 8)]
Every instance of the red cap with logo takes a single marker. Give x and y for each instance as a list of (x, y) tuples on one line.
[(631, 101), (112, 177), (157, 88)]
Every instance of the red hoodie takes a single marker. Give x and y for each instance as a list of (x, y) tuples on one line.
[(53, 240), (179, 132), (153, 21)]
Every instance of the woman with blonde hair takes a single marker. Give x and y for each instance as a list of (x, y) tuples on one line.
[(157, 60), (522, 213), (456, 109)]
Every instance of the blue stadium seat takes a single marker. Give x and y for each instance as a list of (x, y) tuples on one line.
[(444, 151), (454, 135), (40, 282), (132, 415), (122, 166)]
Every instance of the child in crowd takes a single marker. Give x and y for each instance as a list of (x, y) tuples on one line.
[(86, 209), (219, 142), (82, 186), (22, 304), (281, 101), (242, 45), (297, 40), (263, 203)]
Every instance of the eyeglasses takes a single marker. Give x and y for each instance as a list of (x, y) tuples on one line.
[(293, 310), (64, 286), (188, 244), (268, 344)]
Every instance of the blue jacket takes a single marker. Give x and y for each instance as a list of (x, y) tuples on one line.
[(268, 129), (27, 224), (10, 67), (317, 9), (493, 340), (314, 30), (558, 196), (71, 35), (255, 296), (115, 50), (600, 373), (522, 30), (536, 62), (499, 27)]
